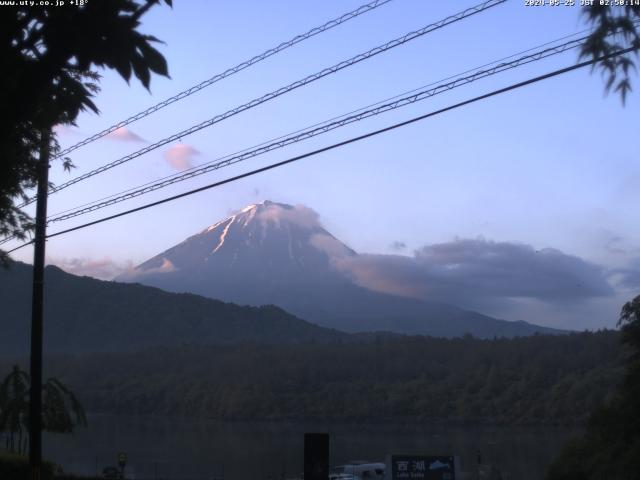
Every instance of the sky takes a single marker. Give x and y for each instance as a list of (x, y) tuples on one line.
[(551, 168)]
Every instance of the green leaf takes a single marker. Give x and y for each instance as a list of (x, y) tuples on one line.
[(141, 70), (67, 164), (123, 67), (154, 59)]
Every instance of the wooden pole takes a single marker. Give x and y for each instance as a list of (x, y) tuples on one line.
[(37, 304)]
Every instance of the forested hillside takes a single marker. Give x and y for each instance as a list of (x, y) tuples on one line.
[(83, 314), (527, 380)]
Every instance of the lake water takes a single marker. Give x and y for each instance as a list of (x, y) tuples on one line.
[(171, 448)]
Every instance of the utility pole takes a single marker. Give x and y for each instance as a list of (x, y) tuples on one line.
[(37, 304)]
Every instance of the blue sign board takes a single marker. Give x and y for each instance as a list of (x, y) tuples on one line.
[(422, 467)]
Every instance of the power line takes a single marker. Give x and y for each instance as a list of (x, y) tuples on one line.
[(93, 202), (281, 142), (230, 71), (227, 159), (500, 91), (266, 142), (245, 153), (282, 90)]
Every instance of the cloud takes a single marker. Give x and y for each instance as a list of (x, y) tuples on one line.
[(166, 267), (180, 156), (104, 269), (125, 135), (627, 278), (135, 274), (613, 246), (62, 129), (394, 274), (299, 215), (473, 271), (327, 243), (398, 246)]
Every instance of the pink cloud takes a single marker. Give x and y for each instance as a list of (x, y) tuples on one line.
[(180, 156), (62, 129), (125, 135), (102, 269), (333, 247)]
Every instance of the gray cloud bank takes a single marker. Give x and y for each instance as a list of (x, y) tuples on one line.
[(472, 271), (628, 278)]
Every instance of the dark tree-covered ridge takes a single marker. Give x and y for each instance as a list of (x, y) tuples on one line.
[(610, 449), (541, 380)]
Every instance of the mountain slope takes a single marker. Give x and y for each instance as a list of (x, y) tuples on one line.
[(87, 315), (272, 253)]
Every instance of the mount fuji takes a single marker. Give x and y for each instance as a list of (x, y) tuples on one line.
[(273, 253)]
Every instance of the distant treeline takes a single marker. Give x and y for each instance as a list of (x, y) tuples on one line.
[(527, 380)]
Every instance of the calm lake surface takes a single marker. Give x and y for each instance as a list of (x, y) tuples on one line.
[(176, 448)]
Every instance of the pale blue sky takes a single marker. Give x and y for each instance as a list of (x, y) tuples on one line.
[(552, 165)]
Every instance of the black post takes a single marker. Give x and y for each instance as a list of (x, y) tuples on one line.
[(316, 456), (35, 394)]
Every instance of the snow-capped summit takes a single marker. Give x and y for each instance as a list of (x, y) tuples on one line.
[(270, 238), (252, 256)]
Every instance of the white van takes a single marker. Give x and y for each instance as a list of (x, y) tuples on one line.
[(358, 471)]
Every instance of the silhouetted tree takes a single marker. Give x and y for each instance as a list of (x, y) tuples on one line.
[(610, 449), (61, 410), (48, 58), (615, 28), (14, 405)]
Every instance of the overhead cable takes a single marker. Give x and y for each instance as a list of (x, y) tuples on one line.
[(229, 72), (380, 102), (318, 130), (359, 138), (281, 91)]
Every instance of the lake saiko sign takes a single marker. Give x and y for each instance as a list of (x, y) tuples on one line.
[(422, 467)]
